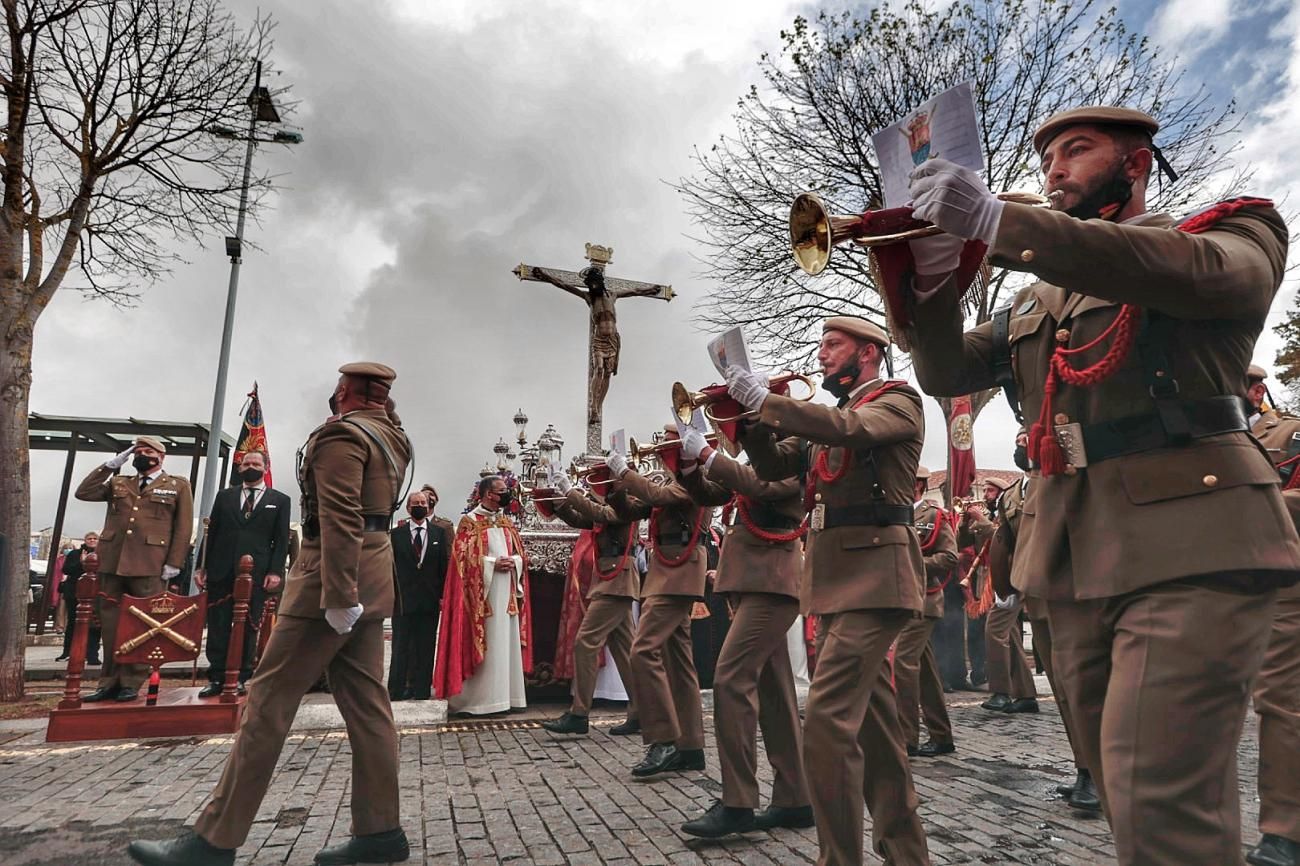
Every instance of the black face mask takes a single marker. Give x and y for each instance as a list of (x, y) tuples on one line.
[(143, 463), (419, 512), (843, 380), (1107, 199), (504, 501), (1021, 457), (251, 475), (334, 405)]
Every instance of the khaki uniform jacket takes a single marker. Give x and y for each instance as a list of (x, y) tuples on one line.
[(1275, 431), (851, 567), (1133, 521), (940, 560), (582, 511), (345, 478), (143, 531), (675, 509), (746, 562)]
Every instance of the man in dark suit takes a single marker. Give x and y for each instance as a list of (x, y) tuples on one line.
[(421, 551), (251, 519), (72, 571)]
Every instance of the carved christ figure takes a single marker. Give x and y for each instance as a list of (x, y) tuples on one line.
[(605, 342)]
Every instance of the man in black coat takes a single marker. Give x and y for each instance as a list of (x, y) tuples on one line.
[(250, 519), (72, 571), (421, 553)]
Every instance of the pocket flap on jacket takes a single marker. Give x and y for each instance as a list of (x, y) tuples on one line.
[(1022, 326), (1193, 471), (156, 540)]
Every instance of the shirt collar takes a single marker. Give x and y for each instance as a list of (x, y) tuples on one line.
[(421, 524)]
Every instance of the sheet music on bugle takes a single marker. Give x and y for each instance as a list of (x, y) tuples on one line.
[(945, 127), (728, 350)]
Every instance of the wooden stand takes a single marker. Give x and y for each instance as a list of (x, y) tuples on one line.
[(179, 711)]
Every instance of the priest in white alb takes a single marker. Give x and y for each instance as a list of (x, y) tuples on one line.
[(484, 637)]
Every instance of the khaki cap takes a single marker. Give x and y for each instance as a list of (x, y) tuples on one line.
[(370, 370), (1102, 115), (1256, 373), (857, 327), (999, 483), (922, 474), (151, 442)]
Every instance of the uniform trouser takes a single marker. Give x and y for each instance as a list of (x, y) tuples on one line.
[(950, 640), (975, 649), (663, 673), (1042, 634), (753, 687), (415, 640), (1277, 700), (916, 676), (607, 622), (300, 649), (69, 603), (221, 621), (852, 742), (1007, 666), (1158, 681), (114, 586)]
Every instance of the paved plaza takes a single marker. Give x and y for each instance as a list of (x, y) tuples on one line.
[(505, 791)]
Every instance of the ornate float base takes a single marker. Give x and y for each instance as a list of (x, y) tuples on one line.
[(179, 713)]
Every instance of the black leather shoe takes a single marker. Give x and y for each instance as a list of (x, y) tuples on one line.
[(688, 759), (211, 690), (631, 726), (1066, 790), (241, 689), (998, 702), (1084, 796), (189, 850), (387, 847), (721, 821), (795, 817), (1022, 705), (932, 749), (103, 693), (978, 679), (125, 694), (911, 751), (95, 662), (1274, 851), (61, 658), (658, 759), (566, 724)]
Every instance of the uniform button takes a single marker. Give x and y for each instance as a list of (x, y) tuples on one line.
[(1210, 481), (731, 532), (876, 540), (1063, 335), (132, 520), (817, 497), (128, 532), (136, 508), (1061, 418), (1071, 469), (1027, 255)]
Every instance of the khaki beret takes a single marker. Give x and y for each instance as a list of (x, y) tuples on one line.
[(857, 327), (922, 474), (1256, 373), (370, 370), (150, 441), (999, 483), (1101, 115)]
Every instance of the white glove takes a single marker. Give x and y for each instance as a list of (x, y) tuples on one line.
[(748, 389), (1005, 603), (955, 199), (617, 464), (120, 460), (693, 443), (562, 483), (169, 572), (937, 254), (341, 619)]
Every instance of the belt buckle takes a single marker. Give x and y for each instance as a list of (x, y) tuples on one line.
[(1070, 438), (817, 521)]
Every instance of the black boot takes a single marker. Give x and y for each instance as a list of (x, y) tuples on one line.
[(1066, 790), (933, 749), (1085, 794), (631, 726), (103, 693), (1274, 851), (1022, 705), (688, 759), (794, 817), (125, 694), (658, 759), (566, 724), (998, 702), (211, 690), (189, 850), (721, 821), (387, 847)]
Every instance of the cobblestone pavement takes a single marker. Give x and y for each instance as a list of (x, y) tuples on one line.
[(507, 792)]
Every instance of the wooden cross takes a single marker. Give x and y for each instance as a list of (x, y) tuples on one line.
[(603, 344)]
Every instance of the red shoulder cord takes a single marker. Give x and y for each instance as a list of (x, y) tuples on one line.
[(940, 516), (742, 511), (1294, 481), (686, 554), (627, 549), (1044, 450), (821, 466)]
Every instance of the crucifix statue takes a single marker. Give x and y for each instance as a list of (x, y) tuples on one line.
[(600, 294)]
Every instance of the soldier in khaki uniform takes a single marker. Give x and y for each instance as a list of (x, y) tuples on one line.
[(1277, 689), (666, 687), (916, 671), (865, 581), (145, 542), (339, 591), (753, 686), (1010, 679), (1128, 355), (614, 587)]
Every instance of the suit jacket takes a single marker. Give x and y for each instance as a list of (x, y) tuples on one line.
[(748, 563), (583, 511), (345, 478), (143, 531), (940, 557), (674, 514), (1133, 521), (851, 567), (264, 535), (419, 583)]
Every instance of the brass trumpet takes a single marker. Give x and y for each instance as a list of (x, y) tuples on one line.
[(815, 231), (638, 453), (686, 402), (582, 475), (534, 490)]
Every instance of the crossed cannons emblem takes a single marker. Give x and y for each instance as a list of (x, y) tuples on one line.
[(162, 628)]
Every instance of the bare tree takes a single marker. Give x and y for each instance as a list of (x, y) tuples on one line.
[(108, 170)]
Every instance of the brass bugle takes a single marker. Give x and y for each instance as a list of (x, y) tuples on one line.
[(686, 402), (815, 231), (534, 490), (579, 475), (638, 453)]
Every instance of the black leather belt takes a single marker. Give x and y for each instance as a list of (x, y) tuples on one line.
[(1179, 422), (376, 522), (673, 540), (869, 515), (777, 523)]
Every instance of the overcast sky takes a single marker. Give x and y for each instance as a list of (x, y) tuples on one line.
[(443, 148)]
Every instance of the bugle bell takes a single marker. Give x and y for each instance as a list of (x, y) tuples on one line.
[(637, 454), (686, 402)]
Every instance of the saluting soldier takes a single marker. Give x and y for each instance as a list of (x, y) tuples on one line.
[(916, 670), (758, 573), (145, 542), (1277, 689), (338, 593), (1128, 355), (865, 581)]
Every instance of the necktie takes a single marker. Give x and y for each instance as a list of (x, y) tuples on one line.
[(144, 482), (248, 502), (417, 543)]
